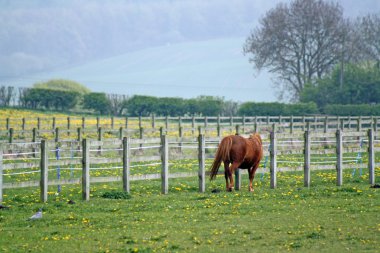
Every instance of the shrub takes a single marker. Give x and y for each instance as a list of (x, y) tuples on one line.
[(276, 109), (36, 98), (353, 110), (116, 195), (97, 101), (61, 84)]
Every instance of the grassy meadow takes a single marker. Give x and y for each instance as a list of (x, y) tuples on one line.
[(322, 218), (290, 218)]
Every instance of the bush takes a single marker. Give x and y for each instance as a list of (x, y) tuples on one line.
[(353, 110), (276, 109), (147, 105), (97, 101), (205, 105), (141, 105), (116, 195), (50, 99), (61, 84)]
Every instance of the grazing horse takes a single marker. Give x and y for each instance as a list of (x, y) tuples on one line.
[(240, 152)]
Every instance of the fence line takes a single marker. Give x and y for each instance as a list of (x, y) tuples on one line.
[(164, 145), (149, 125), (154, 121)]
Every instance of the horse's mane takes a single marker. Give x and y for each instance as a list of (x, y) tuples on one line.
[(256, 136)]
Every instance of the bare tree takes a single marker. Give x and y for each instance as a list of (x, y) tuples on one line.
[(299, 43), (6, 95), (368, 32), (117, 103)]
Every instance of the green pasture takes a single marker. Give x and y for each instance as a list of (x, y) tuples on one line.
[(290, 218)]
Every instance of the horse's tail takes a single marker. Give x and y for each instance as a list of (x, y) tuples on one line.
[(222, 154), (257, 137)]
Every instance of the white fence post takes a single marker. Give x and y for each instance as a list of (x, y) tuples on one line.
[(371, 157), (165, 164), (273, 162), (126, 163), (306, 171), (339, 158), (44, 172), (85, 169), (201, 159), (237, 171), (1, 175)]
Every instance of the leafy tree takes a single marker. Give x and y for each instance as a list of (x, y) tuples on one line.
[(97, 101), (170, 106), (361, 86), (141, 105), (299, 42), (37, 98), (61, 84), (205, 105)]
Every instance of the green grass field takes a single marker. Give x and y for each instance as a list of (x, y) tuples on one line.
[(323, 218)]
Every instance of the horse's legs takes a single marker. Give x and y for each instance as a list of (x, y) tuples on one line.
[(232, 169), (251, 177), (252, 172), (227, 174)]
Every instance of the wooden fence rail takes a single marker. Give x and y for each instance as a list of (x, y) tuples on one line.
[(180, 126), (73, 122), (308, 143)]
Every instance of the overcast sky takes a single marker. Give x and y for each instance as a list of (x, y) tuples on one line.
[(41, 35), (38, 34)]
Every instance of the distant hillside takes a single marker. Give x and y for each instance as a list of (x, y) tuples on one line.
[(212, 67)]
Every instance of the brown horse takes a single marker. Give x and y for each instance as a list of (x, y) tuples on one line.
[(240, 152)]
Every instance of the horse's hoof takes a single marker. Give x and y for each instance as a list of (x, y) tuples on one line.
[(230, 189), (251, 190)]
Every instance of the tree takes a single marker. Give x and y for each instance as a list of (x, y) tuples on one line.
[(61, 84), (169, 106), (117, 103), (141, 105), (368, 32), (50, 99), (97, 101), (205, 105), (361, 86), (230, 108), (299, 42), (7, 93)]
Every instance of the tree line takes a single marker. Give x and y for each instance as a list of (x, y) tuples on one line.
[(66, 96)]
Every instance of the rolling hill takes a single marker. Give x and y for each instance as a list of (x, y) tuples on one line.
[(212, 67)]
